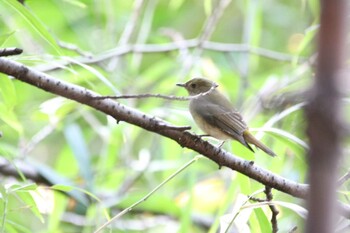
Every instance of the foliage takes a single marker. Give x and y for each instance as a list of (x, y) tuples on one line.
[(101, 166)]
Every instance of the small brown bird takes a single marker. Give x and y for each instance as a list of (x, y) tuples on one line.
[(215, 115)]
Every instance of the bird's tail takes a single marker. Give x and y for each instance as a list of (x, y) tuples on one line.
[(249, 138)]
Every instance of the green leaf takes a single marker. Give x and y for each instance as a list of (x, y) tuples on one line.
[(9, 117), (62, 187), (301, 211), (25, 187), (299, 146), (76, 140), (8, 91), (8, 151), (56, 178), (12, 226), (5, 37), (158, 203), (176, 4), (27, 198), (208, 7), (264, 223), (310, 34), (34, 22), (55, 216), (76, 3), (68, 188)]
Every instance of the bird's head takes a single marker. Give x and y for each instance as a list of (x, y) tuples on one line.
[(198, 85)]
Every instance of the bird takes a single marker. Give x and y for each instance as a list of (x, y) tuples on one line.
[(216, 116)]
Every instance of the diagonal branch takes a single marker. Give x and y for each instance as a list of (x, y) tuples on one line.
[(132, 116), (124, 113)]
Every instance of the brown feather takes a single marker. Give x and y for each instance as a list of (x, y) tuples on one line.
[(249, 138)]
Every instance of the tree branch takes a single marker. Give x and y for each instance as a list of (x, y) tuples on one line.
[(123, 113), (273, 208), (173, 46), (10, 51), (324, 116), (132, 116), (14, 169)]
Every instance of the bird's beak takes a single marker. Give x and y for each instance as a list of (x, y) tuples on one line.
[(180, 84)]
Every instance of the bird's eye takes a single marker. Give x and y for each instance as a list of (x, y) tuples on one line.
[(193, 85)]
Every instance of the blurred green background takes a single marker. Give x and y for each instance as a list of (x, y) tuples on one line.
[(101, 167)]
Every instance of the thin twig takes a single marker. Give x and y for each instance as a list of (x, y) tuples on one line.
[(213, 20), (10, 52), (173, 46), (208, 28), (180, 128), (294, 229), (145, 28), (273, 209), (148, 195), (142, 96), (344, 178), (129, 28), (128, 31), (74, 48), (256, 199)]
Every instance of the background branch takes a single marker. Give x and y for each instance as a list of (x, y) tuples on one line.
[(174, 46), (10, 51), (16, 168)]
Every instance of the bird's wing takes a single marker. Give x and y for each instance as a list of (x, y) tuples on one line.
[(228, 120)]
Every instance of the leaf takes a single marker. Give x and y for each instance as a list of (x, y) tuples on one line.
[(27, 198), (62, 187), (12, 226), (277, 117), (55, 217), (5, 37), (8, 91), (10, 118), (68, 188), (7, 151), (264, 223), (56, 178), (238, 217), (176, 4), (95, 72), (34, 22), (292, 141), (25, 187), (208, 7), (76, 3), (301, 211), (76, 141)]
